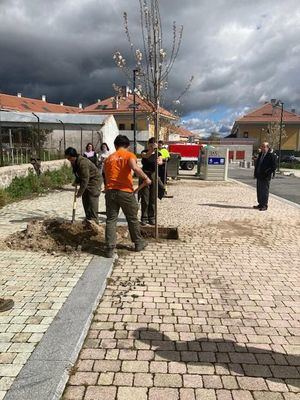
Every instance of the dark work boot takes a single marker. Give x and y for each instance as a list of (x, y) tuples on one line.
[(140, 246), (6, 304), (109, 252)]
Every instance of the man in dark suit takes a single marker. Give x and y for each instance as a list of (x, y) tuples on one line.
[(265, 168)]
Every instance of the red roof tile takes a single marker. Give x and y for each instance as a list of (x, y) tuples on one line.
[(180, 130), (26, 104), (125, 106), (267, 113)]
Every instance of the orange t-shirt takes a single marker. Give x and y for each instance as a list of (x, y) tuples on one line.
[(117, 171)]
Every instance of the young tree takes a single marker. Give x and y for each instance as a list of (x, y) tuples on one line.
[(273, 134), (152, 64)]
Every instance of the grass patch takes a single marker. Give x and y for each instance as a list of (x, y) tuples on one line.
[(24, 187), (290, 165)]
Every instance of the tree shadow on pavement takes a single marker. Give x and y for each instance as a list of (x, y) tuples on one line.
[(225, 206), (247, 361)]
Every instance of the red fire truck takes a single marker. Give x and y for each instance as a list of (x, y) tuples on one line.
[(189, 153)]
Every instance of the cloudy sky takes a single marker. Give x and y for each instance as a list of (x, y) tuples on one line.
[(240, 52)]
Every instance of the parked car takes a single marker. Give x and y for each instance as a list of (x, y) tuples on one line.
[(291, 160)]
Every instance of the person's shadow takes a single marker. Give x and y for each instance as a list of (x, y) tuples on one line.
[(226, 206), (238, 360)]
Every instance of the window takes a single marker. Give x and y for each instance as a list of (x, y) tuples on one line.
[(246, 134), (121, 127), (101, 107)]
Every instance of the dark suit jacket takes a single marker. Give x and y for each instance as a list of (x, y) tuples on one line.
[(266, 169)]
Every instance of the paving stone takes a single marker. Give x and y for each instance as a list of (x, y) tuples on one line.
[(168, 380), (74, 393), (242, 395), (123, 379), (106, 378), (141, 379), (98, 392), (282, 371), (224, 395), (193, 381), (267, 396), (163, 394), (205, 394), (135, 366), (187, 394), (107, 365)]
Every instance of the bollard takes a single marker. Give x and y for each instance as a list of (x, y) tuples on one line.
[(248, 164), (240, 164)]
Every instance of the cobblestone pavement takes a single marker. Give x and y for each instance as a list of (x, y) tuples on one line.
[(38, 283), (213, 316)]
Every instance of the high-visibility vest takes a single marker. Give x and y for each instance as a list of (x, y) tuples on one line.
[(164, 153)]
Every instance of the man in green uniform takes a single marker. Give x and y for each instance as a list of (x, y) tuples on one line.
[(89, 180)]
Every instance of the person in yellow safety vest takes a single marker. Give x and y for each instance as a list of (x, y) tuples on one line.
[(162, 169)]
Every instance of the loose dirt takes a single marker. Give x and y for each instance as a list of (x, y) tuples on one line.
[(55, 235)]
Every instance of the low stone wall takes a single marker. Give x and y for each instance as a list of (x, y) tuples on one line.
[(7, 174)]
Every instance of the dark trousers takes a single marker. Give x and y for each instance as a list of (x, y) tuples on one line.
[(147, 196), (116, 199), (162, 173), (262, 189), (91, 205)]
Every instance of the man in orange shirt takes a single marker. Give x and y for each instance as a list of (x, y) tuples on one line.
[(119, 193)]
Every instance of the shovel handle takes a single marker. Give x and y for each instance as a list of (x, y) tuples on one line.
[(74, 204)]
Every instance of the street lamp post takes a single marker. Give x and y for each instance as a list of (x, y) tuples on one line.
[(276, 103), (134, 110), (280, 136)]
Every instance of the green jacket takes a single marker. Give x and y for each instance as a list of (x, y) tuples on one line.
[(87, 176)]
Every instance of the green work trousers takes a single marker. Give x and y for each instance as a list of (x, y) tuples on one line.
[(91, 205), (116, 199)]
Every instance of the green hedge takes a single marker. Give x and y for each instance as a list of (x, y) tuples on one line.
[(24, 187), (290, 165)]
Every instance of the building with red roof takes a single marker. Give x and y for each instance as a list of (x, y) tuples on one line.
[(121, 107), (180, 134), (255, 124), (19, 103)]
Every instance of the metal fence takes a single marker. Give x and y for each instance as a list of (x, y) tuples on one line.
[(23, 155)]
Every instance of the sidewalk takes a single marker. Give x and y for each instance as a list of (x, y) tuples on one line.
[(294, 171), (214, 315), (38, 283)]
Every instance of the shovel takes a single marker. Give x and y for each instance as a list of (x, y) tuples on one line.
[(74, 205)]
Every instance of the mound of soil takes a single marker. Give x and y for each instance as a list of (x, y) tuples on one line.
[(57, 235)]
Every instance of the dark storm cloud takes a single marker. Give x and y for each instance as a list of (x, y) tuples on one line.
[(240, 52)]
